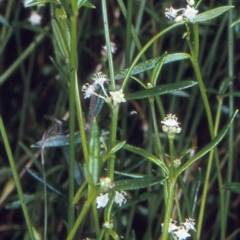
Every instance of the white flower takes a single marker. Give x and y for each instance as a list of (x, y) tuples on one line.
[(35, 18), (170, 124), (172, 13), (102, 200), (120, 198), (172, 226), (170, 121), (100, 79), (88, 90), (181, 233), (190, 13), (189, 224), (113, 48), (118, 97)]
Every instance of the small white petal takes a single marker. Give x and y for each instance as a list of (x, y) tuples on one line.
[(120, 198), (190, 13), (189, 224), (88, 90), (170, 121), (181, 233), (118, 96), (102, 200), (100, 79), (35, 18)]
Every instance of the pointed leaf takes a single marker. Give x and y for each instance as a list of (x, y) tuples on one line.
[(208, 15), (37, 2), (27, 198), (94, 162), (209, 146), (132, 184), (147, 155), (159, 90), (233, 187), (58, 141), (150, 64), (113, 150)]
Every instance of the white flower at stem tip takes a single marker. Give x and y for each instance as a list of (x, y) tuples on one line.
[(190, 13), (181, 233), (35, 18), (100, 79), (172, 13), (120, 198), (189, 224), (88, 90), (117, 97), (102, 200)]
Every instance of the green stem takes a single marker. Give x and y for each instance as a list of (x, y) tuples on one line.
[(73, 80), (85, 208), (155, 127), (108, 43), (113, 135), (231, 109), (168, 213), (219, 175), (16, 179), (194, 58)]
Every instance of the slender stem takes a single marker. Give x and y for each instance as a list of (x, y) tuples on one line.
[(231, 107), (194, 58), (155, 127), (128, 33), (16, 179), (81, 216), (108, 43), (168, 213), (219, 175), (73, 80), (113, 135)]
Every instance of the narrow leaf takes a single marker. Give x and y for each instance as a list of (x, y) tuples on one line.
[(146, 155), (150, 64), (132, 184), (208, 15), (209, 146), (160, 90), (57, 141), (37, 2), (94, 162), (233, 187)]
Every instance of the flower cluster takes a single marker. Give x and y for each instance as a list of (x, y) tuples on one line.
[(180, 232), (170, 124), (99, 80), (103, 198), (189, 13)]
